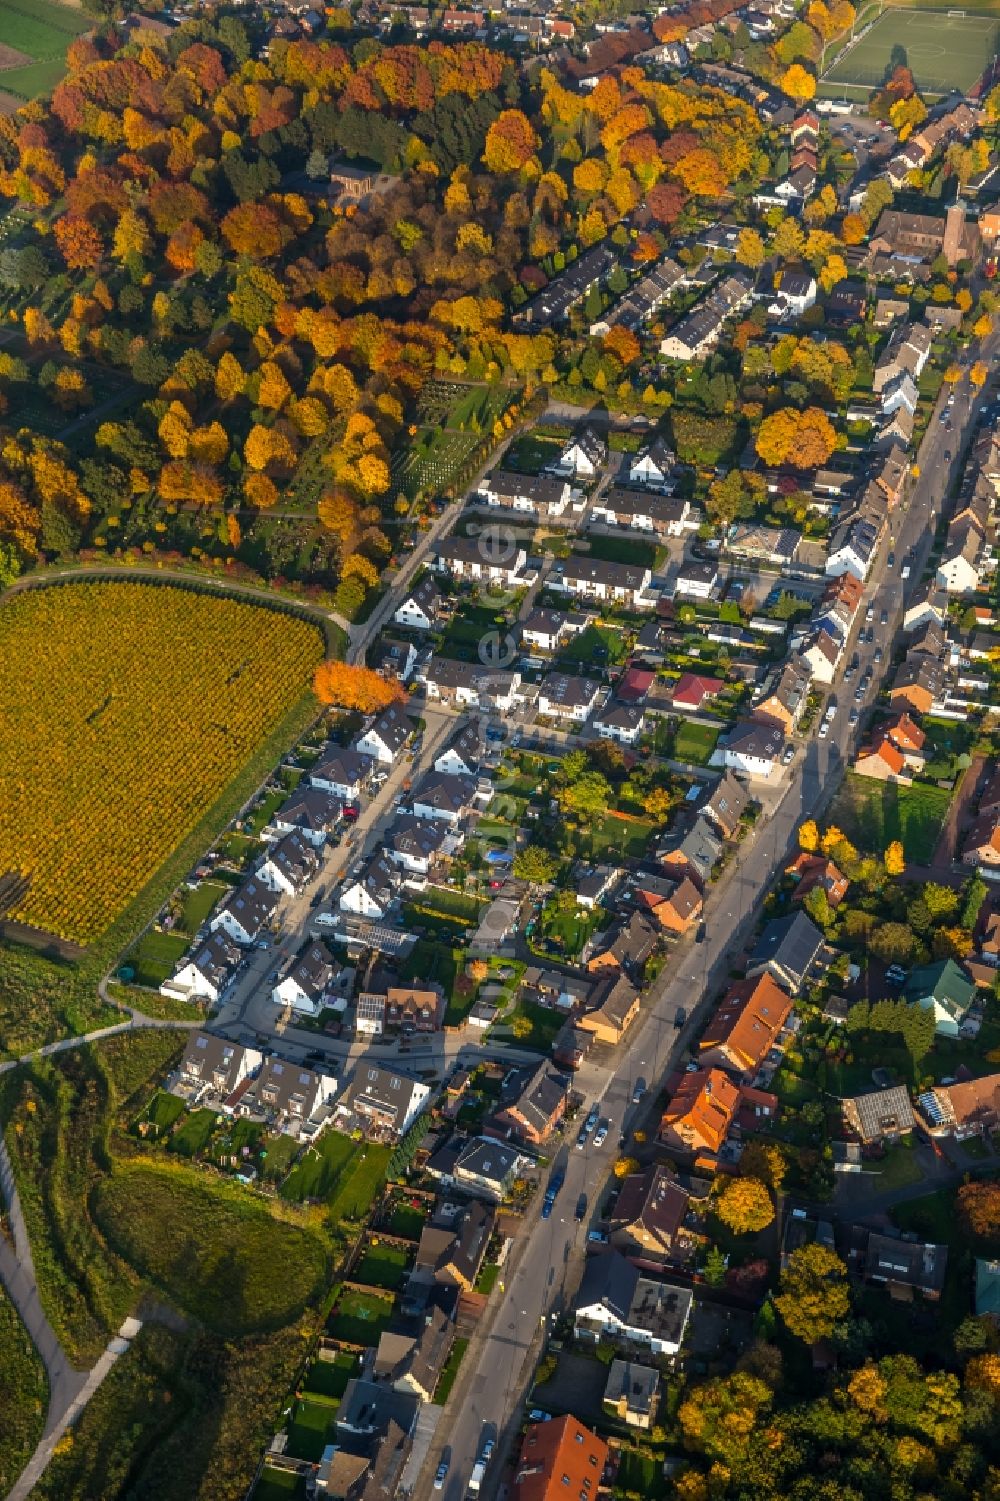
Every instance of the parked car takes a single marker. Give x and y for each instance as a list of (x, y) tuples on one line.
[(639, 1090), (680, 1017), (884, 618), (601, 1134), (581, 1207), (441, 1475)]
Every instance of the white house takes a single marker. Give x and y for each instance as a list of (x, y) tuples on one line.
[(566, 697), (419, 609), (493, 558), (853, 547), (546, 630), (385, 738), (751, 747), (311, 813), (959, 569), (463, 753), (342, 771), (246, 913), (440, 796), (289, 865), (414, 844), (654, 466), (214, 1064), (372, 891), (582, 457), (311, 984), (542, 495), (470, 685), (206, 973), (901, 391), (643, 511), (697, 580), (616, 1302), (288, 1094), (387, 1100), (594, 578), (795, 295), (624, 723)]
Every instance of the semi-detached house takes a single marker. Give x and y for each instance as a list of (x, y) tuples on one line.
[(489, 558), (542, 495), (643, 511), (611, 583)]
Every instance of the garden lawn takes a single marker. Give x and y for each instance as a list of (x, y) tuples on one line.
[(309, 1426), (694, 743), (319, 1170), (442, 965), (155, 957), (406, 1222), (597, 646), (329, 1378), (530, 454), (383, 1266), (446, 1380), (195, 1134), (359, 1188), (614, 835), (279, 1485), (359, 1318), (198, 903), (545, 1023), (225, 1257), (873, 814), (572, 929), (624, 550), (164, 1109)]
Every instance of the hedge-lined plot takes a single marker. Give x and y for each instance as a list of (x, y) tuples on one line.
[(127, 709)]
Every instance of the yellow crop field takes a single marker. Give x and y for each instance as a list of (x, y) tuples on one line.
[(126, 709)]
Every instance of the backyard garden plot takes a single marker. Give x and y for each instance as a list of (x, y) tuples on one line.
[(35, 35), (873, 814), (128, 710), (943, 50)]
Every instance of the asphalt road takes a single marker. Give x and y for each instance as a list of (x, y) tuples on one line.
[(548, 1257)]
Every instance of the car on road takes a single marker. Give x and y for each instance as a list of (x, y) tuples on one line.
[(680, 1017), (639, 1090), (870, 613), (441, 1475), (905, 571), (487, 1453), (601, 1135), (699, 936), (853, 717), (581, 1208), (878, 654), (824, 729), (859, 694), (849, 672), (593, 1116), (582, 1137), (788, 756), (870, 637), (891, 560), (884, 618)]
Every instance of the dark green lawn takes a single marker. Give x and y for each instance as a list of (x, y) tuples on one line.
[(155, 957), (873, 814), (329, 1378), (359, 1318), (383, 1266)]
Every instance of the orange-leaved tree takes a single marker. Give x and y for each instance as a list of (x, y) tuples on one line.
[(358, 688)]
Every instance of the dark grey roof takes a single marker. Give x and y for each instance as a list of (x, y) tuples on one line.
[(295, 857), (315, 970), (611, 1280), (792, 941), (309, 808), (441, 790), (542, 1095), (467, 743), (217, 958), (342, 764), (421, 837), (393, 727), (493, 1160), (367, 1407), (387, 1089), (426, 594), (251, 904)]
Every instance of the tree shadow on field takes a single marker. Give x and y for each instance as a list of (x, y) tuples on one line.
[(897, 59)]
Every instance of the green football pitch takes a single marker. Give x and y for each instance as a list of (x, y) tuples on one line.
[(942, 49)]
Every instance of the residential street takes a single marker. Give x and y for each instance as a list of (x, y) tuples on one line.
[(548, 1257)]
